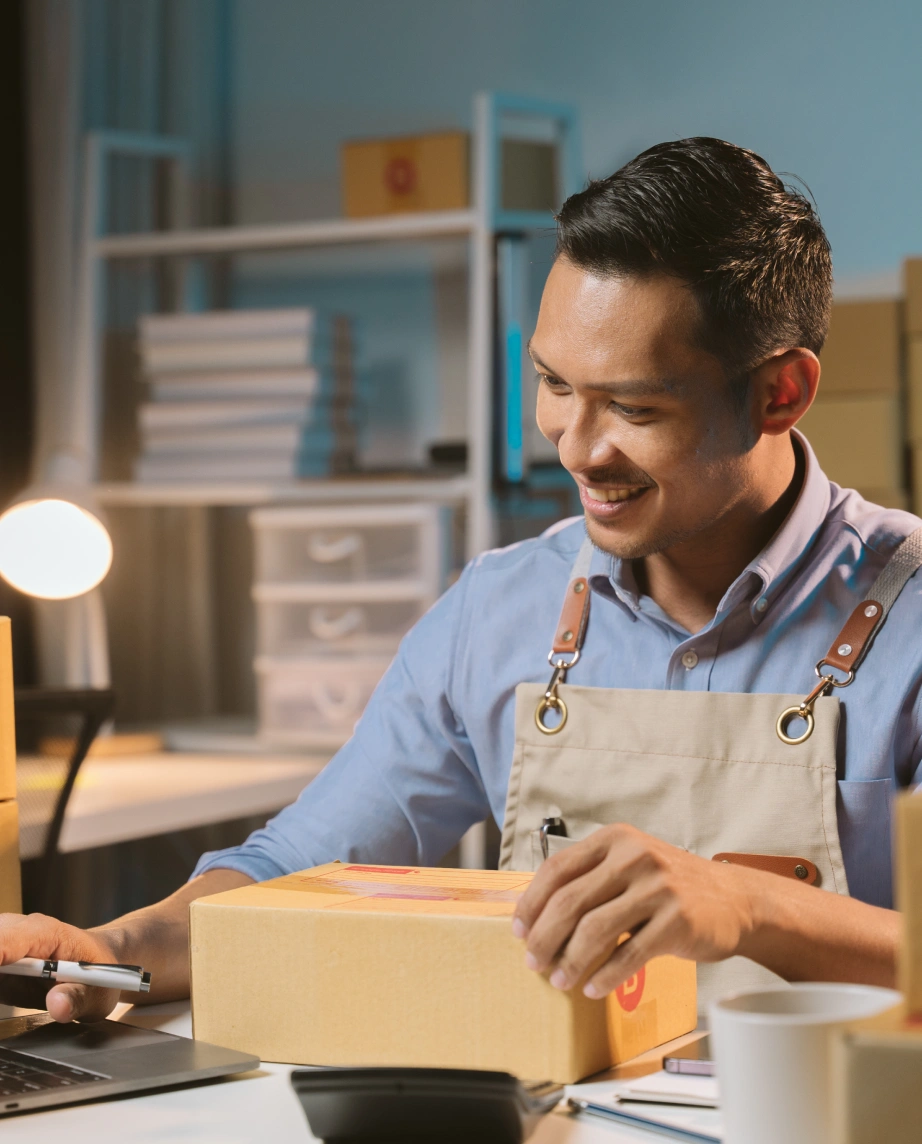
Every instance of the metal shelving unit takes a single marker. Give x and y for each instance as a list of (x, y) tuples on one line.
[(478, 226)]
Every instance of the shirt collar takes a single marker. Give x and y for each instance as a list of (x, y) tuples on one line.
[(761, 579)]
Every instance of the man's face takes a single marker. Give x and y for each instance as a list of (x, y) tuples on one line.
[(643, 417)]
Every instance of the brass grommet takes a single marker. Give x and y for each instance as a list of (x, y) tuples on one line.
[(578, 586), (801, 871), (543, 707), (783, 720)]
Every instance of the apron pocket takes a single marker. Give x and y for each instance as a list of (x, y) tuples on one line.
[(555, 842), (863, 813)]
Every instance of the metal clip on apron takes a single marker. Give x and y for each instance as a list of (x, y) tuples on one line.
[(714, 773)]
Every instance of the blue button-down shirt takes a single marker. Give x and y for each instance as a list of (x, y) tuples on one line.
[(431, 754)]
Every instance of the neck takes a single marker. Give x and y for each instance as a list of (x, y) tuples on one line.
[(689, 580)]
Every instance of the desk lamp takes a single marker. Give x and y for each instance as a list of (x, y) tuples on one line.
[(53, 543)]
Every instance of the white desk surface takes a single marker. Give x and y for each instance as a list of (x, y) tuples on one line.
[(258, 1106), (117, 799)]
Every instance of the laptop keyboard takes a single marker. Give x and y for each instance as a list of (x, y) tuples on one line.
[(21, 1074)]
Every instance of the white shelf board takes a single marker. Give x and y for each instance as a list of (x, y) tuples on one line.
[(444, 490), (269, 236)]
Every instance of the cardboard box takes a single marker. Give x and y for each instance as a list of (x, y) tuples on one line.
[(414, 173), (862, 351), (857, 440), (7, 717), (908, 879), (912, 282), (10, 884), (876, 1092), (914, 388), (372, 965)]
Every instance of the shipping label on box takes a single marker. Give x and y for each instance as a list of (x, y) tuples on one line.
[(373, 965)]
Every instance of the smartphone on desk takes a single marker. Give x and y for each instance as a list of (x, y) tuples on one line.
[(693, 1060)]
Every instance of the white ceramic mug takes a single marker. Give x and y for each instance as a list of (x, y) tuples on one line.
[(773, 1047)]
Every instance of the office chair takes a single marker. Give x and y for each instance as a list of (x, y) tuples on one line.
[(55, 728)]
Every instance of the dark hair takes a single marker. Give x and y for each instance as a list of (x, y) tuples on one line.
[(717, 217)]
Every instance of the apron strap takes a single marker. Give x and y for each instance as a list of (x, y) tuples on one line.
[(853, 642), (574, 616)]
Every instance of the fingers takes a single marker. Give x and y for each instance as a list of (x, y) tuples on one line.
[(80, 1003), (627, 960), (557, 871), (596, 938), (567, 909)]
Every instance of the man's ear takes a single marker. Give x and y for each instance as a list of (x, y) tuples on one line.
[(783, 390)]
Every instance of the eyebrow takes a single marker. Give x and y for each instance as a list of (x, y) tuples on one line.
[(642, 388)]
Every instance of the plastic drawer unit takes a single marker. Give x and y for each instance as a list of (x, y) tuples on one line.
[(348, 545), (314, 702)]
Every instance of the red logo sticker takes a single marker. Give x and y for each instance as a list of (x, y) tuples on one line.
[(400, 176), (630, 992)]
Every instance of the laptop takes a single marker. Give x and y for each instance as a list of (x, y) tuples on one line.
[(44, 1064)]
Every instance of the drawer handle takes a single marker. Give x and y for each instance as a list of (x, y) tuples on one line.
[(336, 708), (325, 625), (328, 548)]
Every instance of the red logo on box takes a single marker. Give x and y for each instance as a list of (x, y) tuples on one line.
[(630, 992), (400, 176)]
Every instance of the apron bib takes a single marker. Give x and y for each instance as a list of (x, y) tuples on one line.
[(713, 773)]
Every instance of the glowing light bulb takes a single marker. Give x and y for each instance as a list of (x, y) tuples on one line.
[(53, 549)]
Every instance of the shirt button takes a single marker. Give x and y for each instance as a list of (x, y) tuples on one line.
[(690, 659), (761, 604)]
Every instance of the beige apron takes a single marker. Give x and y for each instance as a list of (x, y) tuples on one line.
[(745, 778)]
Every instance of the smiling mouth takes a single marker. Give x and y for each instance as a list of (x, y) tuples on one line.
[(612, 496)]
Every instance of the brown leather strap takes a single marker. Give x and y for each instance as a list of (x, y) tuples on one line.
[(571, 630), (800, 869), (849, 645)]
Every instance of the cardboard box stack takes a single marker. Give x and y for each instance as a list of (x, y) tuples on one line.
[(409, 966), (10, 892), (232, 396), (856, 423), (876, 1076)]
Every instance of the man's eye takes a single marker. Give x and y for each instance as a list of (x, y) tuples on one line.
[(553, 382), (630, 410)]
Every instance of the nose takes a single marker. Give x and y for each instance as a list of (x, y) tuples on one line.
[(586, 443)]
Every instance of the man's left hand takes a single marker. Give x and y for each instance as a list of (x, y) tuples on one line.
[(584, 900)]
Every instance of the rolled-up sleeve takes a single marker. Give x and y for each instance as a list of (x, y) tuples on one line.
[(402, 790)]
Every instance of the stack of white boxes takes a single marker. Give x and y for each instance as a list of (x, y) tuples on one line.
[(335, 591)]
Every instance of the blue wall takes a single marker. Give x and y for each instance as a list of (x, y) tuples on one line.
[(829, 90)]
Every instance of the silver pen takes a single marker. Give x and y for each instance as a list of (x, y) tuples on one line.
[(131, 978)]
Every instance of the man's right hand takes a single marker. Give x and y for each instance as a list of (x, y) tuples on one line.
[(155, 937), (35, 935)]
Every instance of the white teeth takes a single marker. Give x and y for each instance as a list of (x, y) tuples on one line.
[(611, 494)]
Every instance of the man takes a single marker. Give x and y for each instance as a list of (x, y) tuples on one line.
[(677, 347)]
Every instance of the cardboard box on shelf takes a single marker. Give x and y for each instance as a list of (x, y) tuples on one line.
[(432, 173), (875, 1084), (373, 965), (862, 351), (857, 440), (413, 173)]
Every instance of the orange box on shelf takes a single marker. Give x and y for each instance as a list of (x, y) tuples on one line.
[(379, 965), (411, 173)]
